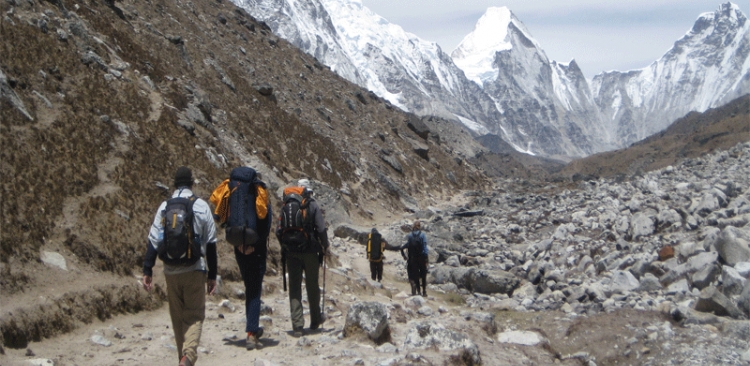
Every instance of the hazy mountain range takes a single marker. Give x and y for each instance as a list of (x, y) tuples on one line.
[(500, 81)]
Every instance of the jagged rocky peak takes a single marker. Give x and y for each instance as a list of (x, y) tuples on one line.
[(476, 51)]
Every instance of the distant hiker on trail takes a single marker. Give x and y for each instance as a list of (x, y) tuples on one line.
[(416, 261), (304, 242), (376, 245), (183, 236), (243, 209)]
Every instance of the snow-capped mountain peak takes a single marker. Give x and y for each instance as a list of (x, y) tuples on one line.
[(411, 73), (500, 81), (476, 52)]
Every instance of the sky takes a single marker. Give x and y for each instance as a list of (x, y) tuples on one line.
[(601, 35)]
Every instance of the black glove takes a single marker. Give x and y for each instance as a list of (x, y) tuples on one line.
[(321, 257)]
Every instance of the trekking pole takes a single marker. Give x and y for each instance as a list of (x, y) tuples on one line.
[(323, 298), (283, 268)]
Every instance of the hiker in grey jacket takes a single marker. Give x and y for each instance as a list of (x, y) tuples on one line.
[(307, 262), (186, 284)]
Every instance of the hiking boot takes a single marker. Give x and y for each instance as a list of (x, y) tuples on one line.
[(253, 340), (184, 361), (297, 332), (413, 289)]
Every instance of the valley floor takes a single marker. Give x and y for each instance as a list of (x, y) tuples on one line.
[(625, 337)]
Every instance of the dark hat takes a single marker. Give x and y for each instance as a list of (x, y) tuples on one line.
[(183, 177), (375, 231)]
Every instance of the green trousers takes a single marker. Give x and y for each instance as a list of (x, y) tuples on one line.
[(296, 264)]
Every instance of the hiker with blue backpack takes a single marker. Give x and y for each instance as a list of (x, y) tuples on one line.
[(416, 259), (183, 236), (244, 211)]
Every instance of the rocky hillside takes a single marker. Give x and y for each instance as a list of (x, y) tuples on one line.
[(102, 101)]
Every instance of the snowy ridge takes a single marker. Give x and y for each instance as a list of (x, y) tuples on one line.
[(364, 48), (476, 52), (500, 81), (704, 69)]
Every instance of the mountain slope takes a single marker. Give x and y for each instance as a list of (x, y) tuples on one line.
[(500, 81), (413, 74), (706, 68), (547, 108), (692, 136), (101, 102)]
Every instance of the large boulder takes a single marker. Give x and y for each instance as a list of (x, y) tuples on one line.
[(490, 282), (477, 280), (447, 274), (732, 281), (371, 318), (432, 335), (417, 125), (641, 225), (711, 300), (706, 276), (743, 302), (522, 337), (649, 283), (733, 245), (349, 231), (623, 282)]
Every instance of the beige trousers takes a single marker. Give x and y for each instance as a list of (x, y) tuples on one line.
[(186, 293)]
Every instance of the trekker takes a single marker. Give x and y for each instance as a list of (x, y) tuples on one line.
[(376, 245), (304, 242), (183, 236), (243, 209), (416, 261)]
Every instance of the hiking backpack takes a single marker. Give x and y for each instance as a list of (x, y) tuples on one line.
[(294, 222), (179, 246), (415, 246), (242, 208), (375, 247)]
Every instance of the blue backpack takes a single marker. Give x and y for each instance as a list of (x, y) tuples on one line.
[(415, 246), (242, 220)]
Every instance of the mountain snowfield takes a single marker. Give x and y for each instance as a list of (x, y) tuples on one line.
[(500, 81)]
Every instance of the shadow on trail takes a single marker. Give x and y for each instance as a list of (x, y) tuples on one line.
[(309, 332), (265, 342)]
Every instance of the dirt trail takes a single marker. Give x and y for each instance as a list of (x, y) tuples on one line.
[(146, 338)]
